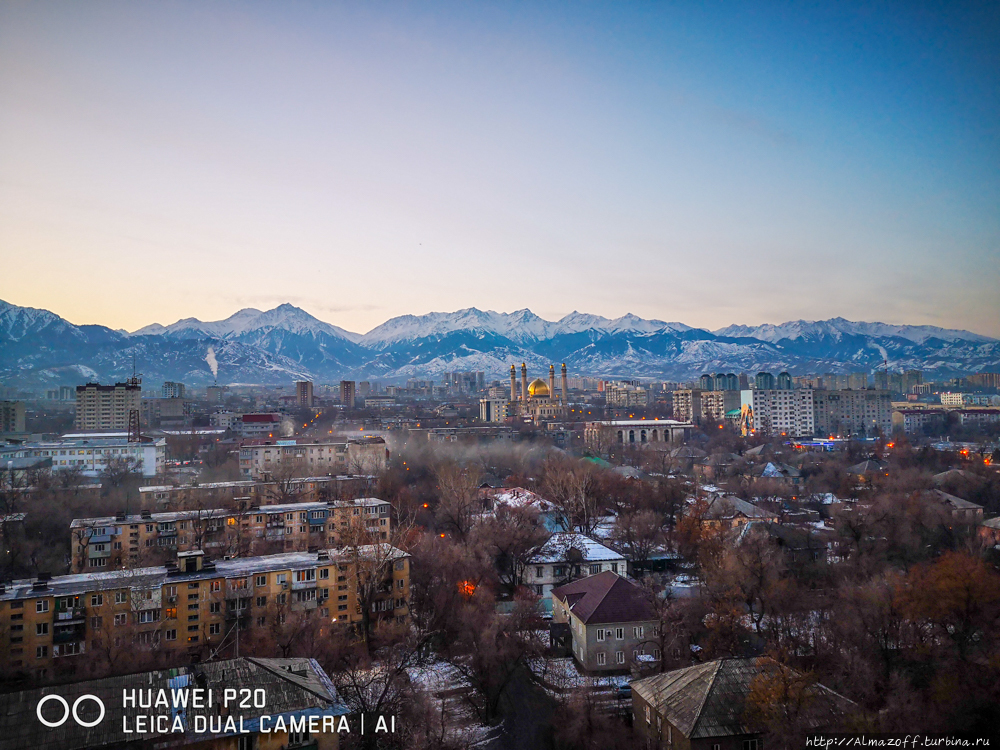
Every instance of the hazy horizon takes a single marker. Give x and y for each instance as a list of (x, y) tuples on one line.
[(712, 165)]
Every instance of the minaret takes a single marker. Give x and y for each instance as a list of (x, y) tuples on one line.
[(563, 395), (524, 383), (513, 384), (552, 383)]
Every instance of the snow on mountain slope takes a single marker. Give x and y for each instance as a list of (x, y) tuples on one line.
[(249, 320), (838, 327)]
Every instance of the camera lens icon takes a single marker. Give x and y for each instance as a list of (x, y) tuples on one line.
[(67, 711)]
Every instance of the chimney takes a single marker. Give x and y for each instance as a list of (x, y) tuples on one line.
[(564, 381), (524, 382)]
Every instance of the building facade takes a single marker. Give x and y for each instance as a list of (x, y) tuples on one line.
[(91, 454), (779, 411), (304, 393), (110, 542), (188, 607), (11, 416), (493, 409), (106, 407), (850, 412), (358, 456), (610, 622)]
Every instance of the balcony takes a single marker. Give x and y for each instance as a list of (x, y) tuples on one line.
[(71, 614), (301, 585)]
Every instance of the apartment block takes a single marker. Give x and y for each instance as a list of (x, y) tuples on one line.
[(625, 395), (715, 404), (304, 393), (493, 409), (91, 454), (11, 416), (357, 456), (189, 606), (849, 412), (106, 407), (781, 411), (247, 492), (110, 542), (687, 405)]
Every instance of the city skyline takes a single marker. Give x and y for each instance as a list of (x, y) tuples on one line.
[(748, 165)]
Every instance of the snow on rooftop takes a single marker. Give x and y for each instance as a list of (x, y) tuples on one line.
[(558, 546)]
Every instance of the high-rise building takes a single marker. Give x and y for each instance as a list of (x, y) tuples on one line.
[(106, 407), (764, 381), (857, 381), (347, 393), (304, 393), (215, 393), (780, 411), (784, 381), (493, 409), (865, 412), (687, 405), (716, 404), (11, 416), (172, 390)]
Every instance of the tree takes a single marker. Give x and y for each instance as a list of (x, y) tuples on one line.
[(458, 487), (118, 470), (572, 485), (508, 537)]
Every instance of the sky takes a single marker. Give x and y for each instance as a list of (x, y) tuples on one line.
[(705, 162)]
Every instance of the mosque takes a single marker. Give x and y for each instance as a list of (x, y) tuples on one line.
[(537, 399)]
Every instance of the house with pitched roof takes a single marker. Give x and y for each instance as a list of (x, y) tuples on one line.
[(606, 620), (710, 706)]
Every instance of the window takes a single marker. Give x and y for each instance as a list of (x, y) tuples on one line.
[(215, 628), (42, 605), (96, 622), (620, 634), (595, 569), (120, 619), (42, 628), (41, 652), (614, 567), (246, 742), (120, 597), (281, 578), (297, 738), (149, 615), (261, 601), (170, 635), (215, 608), (539, 572), (638, 631), (600, 634), (620, 657), (753, 745), (648, 719), (324, 573), (96, 600), (305, 575), (260, 581), (601, 658), (215, 586), (170, 613)]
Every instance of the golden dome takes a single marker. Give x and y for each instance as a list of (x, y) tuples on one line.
[(537, 389)]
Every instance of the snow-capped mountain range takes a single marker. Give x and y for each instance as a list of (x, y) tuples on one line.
[(39, 348)]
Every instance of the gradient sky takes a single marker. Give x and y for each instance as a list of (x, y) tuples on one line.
[(706, 162)]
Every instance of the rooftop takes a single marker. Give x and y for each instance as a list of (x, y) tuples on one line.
[(155, 576), (709, 700), (558, 548), (605, 598)]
